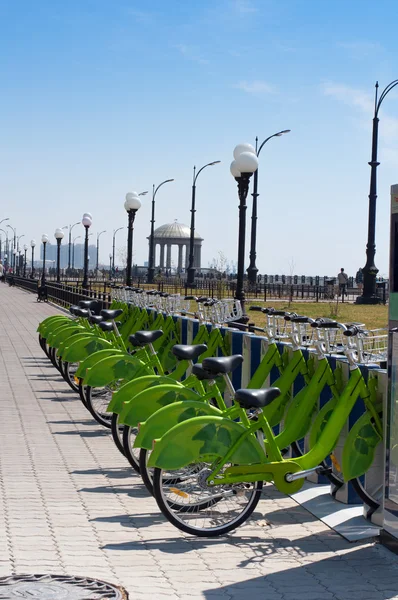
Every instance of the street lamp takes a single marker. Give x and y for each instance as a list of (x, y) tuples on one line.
[(370, 270), (59, 235), (70, 241), (24, 264), (151, 261), (14, 229), (191, 268), (87, 221), (132, 204), (252, 269), (45, 240), (5, 243), (98, 237), (113, 246), (73, 250), (14, 252), (32, 245), (242, 168), (6, 219), (110, 265)]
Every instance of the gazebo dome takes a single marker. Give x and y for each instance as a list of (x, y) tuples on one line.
[(175, 231)]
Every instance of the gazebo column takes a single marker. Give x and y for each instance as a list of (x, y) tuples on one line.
[(161, 262), (180, 251), (168, 257)]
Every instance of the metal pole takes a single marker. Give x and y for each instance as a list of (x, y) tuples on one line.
[(69, 245), (191, 268), (151, 266), (33, 262), (24, 266), (58, 261), (43, 275), (85, 275), (131, 218), (243, 188)]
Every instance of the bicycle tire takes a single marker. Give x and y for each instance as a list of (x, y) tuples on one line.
[(69, 377), (82, 392), (115, 429), (133, 460), (99, 416), (171, 515)]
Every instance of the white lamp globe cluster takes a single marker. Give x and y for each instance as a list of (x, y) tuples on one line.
[(87, 220), (132, 201), (45, 238), (245, 160), (59, 234)]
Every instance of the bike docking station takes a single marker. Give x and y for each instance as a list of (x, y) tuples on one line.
[(389, 534)]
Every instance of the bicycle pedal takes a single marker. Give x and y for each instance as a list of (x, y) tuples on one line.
[(325, 471)]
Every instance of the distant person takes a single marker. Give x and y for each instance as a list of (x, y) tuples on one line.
[(359, 279), (1, 271), (342, 279)]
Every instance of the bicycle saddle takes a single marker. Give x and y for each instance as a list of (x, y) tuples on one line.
[(256, 398), (72, 309), (81, 312), (90, 304), (148, 337), (222, 364), (111, 314), (96, 319), (105, 326), (201, 373), (188, 352)]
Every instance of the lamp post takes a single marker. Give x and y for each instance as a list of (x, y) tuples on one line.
[(14, 253), (18, 269), (87, 221), (32, 245), (252, 269), (5, 243), (113, 247), (24, 264), (132, 204), (370, 270), (59, 235), (73, 250), (70, 240), (14, 229), (242, 168), (110, 265), (191, 268), (98, 237), (6, 219), (151, 261), (44, 239)]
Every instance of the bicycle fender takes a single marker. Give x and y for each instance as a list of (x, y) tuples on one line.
[(59, 326), (149, 401), (78, 350), (47, 323), (210, 436), (113, 368), (320, 421), (64, 333), (165, 418), (93, 359), (359, 447), (130, 389), (71, 340)]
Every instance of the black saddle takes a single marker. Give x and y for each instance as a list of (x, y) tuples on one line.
[(222, 364), (81, 312), (96, 319), (147, 337), (111, 314), (72, 309), (105, 326), (201, 373), (188, 352), (89, 304), (256, 398)]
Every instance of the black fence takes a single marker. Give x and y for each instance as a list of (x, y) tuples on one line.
[(60, 293)]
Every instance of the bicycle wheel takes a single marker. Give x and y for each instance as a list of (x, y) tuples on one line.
[(82, 392), (97, 400), (208, 511), (53, 357), (146, 472), (132, 454), (117, 433), (69, 371)]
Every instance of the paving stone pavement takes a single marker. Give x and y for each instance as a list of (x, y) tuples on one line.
[(71, 505)]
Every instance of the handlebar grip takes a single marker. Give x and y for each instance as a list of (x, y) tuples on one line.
[(276, 313), (191, 298), (203, 299), (300, 319), (257, 308), (323, 324), (352, 330)]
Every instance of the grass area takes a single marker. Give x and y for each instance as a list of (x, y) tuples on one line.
[(373, 316)]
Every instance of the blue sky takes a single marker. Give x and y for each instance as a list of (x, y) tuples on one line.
[(101, 97)]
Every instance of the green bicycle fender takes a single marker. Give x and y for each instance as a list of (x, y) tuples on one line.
[(297, 421), (71, 339), (93, 359), (165, 418), (48, 328), (359, 448), (320, 421), (47, 323), (113, 368), (79, 349), (64, 333), (190, 441), (130, 389), (150, 400)]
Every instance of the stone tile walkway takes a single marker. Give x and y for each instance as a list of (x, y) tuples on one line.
[(71, 505)]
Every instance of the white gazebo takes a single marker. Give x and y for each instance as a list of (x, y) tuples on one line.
[(176, 234)]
